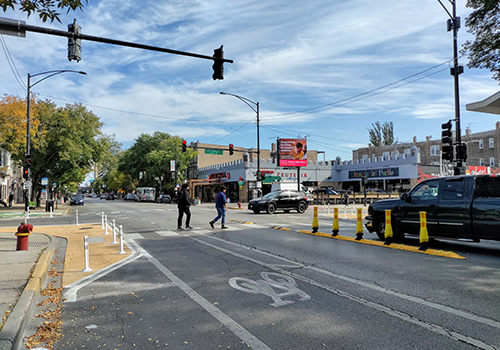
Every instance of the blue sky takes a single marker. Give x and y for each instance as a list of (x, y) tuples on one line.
[(319, 69)]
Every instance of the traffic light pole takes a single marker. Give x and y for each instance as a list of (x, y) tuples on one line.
[(19, 28)]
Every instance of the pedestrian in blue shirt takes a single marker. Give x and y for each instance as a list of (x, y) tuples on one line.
[(221, 205)]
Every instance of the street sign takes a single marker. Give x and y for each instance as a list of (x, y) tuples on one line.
[(27, 185), (172, 165), (45, 181), (214, 151)]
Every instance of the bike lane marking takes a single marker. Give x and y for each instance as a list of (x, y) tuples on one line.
[(238, 330)]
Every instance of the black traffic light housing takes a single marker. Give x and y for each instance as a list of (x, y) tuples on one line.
[(462, 152), (261, 176), (447, 140), (184, 145), (231, 149), (218, 65), (26, 167), (74, 43)]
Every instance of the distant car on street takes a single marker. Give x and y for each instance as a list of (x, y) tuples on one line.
[(280, 200), (164, 198), (77, 199), (103, 196), (325, 191), (130, 197)]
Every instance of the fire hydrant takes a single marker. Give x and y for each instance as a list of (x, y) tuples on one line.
[(23, 232), (239, 205)]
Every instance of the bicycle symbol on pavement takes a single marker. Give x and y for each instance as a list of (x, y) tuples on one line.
[(267, 286)]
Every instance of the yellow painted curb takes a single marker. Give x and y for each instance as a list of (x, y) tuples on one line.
[(445, 254), (33, 284), (42, 266)]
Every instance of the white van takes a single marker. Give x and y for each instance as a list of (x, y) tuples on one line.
[(281, 186)]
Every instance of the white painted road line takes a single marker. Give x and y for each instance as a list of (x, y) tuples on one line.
[(167, 233)]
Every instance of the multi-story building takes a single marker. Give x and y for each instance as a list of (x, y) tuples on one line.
[(483, 149)]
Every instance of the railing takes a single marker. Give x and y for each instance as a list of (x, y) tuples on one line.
[(354, 198)]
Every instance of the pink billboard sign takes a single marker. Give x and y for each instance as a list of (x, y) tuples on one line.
[(293, 152)]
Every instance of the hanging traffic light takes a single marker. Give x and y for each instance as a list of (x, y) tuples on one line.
[(74, 43), (218, 65), (184, 145), (447, 140), (231, 149)]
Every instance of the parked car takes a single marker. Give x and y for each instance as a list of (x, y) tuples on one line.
[(280, 200), (457, 207), (325, 192), (130, 197), (77, 199), (110, 197), (103, 196), (164, 198)]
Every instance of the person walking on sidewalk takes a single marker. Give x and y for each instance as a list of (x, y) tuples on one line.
[(183, 205), (221, 206)]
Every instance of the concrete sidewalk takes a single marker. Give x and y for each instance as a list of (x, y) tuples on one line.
[(23, 273)]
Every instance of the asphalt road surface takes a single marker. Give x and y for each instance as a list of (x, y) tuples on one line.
[(254, 286)]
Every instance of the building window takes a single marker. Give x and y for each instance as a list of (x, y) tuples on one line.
[(435, 150), (385, 155), (481, 146), (364, 159), (481, 162), (492, 143), (407, 152), (492, 161)]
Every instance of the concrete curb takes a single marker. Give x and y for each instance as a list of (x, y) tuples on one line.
[(12, 332)]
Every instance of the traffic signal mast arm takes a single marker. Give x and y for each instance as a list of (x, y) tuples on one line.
[(20, 27)]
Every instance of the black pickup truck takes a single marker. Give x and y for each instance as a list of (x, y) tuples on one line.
[(466, 207)]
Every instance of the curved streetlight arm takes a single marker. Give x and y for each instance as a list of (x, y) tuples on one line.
[(243, 99), (54, 72)]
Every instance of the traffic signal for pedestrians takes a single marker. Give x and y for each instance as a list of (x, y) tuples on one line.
[(462, 152), (218, 65), (184, 145), (231, 149), (447, 140), (74, 43)]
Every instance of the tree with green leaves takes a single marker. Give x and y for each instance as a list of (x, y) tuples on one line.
[(484, 24), (148, 160), (46, 9), (381, 134)]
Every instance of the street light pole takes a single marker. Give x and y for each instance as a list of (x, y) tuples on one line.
[(256, 110), (28, 136)]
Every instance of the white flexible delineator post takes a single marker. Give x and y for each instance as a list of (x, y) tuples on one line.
[(77, 218), (102, 220), (86, 247), (114, 233), (121, 241), (106, 225), (51, 211)]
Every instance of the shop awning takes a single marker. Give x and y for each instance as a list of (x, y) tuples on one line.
[(488, 105), (270, 179)]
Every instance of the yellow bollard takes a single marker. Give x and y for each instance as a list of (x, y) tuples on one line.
[(315, 221), (359, 225), (335, 226), (388, 227), (424, 235)]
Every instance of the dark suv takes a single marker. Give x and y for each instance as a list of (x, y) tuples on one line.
[(164, 198), (280, 200)]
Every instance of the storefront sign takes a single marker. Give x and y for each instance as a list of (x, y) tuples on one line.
[(383, 172), (220, 176), (290, 175)]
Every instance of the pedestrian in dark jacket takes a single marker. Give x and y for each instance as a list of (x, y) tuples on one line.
[(183, 205), (221, 205)]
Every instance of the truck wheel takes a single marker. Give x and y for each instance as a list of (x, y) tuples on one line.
[(301, 208), (380, 228), (256, 211), (271, 208)]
